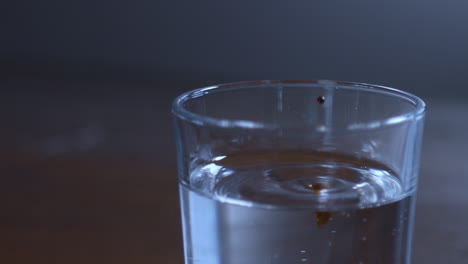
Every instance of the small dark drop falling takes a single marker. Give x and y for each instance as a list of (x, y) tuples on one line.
[(320, 99)]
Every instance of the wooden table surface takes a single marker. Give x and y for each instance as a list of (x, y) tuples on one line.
[(88, 176)]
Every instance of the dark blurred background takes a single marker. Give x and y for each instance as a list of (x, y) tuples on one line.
[(87, 160)]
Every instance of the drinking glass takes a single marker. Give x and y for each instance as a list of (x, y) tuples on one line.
[(282, 172)]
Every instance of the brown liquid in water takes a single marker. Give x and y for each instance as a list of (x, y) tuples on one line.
[(295, 156), (321, 218), (268, 216)]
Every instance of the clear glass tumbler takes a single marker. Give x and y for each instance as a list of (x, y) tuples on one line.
[(282, 172)]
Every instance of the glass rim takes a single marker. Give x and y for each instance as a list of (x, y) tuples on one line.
[(180, 111)]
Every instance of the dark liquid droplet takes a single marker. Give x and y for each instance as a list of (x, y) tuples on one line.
[(321, 218), (320, 99), (316, 187)]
